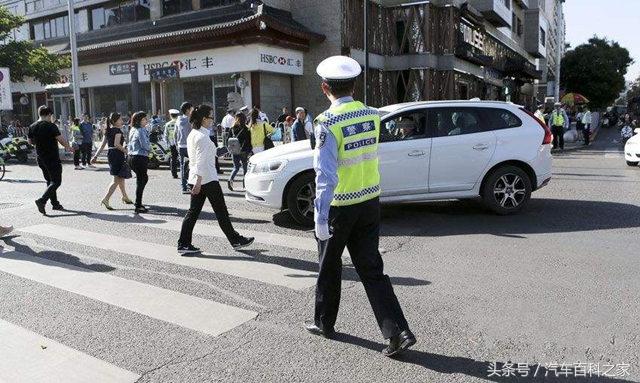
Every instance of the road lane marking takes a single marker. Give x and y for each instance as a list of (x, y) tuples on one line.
[(184, 310), (236, 265), (30, 357)]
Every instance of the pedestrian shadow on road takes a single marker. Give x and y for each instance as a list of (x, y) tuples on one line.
[(480, 369), (177, 212), (21, 181), (49, 258), (542, 216), (68, 213), (348, 271), (121, 218)]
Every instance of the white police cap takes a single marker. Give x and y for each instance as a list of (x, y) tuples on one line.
[(339, 68), (174, 111)]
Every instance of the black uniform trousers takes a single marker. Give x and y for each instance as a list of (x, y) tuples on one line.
[(358, 228), (558, 136), (174, 163)]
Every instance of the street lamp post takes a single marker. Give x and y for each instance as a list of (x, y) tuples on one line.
[(560, 44), (366, 50), (74, 60)]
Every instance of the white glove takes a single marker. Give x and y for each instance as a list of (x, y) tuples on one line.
[(322, 231)]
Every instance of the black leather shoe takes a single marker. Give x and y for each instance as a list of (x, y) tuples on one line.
[(57, 207), (399, 343), (315, 330), (41, 206)]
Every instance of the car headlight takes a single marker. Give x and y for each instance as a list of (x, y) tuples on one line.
[(269, 166)]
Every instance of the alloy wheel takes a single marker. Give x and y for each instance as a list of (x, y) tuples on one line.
[(509, 191)]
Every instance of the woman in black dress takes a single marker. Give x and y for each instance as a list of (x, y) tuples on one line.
[(117, 152)]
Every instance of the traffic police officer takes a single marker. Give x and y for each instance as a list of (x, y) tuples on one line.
[(347, 206), (170, 139)]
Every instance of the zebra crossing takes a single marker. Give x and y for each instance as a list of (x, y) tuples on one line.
[(50, 361), (58, 362)]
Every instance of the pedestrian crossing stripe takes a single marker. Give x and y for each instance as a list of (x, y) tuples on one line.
[(239, 266), (184, 310), (213, 230), (29, 357)]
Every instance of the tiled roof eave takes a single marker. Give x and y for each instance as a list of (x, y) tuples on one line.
[(246, 23)]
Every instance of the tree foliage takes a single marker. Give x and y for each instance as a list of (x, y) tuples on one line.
[(596, 70), (23, 58)]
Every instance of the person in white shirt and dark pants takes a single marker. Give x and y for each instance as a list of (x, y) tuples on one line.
[(203, 179)]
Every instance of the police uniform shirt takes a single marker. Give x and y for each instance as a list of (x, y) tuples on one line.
[(325, 163)]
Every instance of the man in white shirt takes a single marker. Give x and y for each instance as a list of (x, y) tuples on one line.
[(227, 123), (586, 123)]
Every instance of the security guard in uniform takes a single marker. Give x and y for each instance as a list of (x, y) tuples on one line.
[(558, 121), (347, 206), (170, 139)]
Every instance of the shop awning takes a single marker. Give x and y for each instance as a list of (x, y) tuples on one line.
[(242, 23)]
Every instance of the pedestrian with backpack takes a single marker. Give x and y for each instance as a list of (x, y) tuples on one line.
[(239, 146)]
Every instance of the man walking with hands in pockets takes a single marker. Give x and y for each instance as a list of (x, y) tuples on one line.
[(347, 206)]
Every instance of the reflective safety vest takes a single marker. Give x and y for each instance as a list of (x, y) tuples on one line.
[(356, 129), (171, 130), (557, 119)]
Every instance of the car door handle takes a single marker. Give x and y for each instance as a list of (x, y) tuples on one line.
[(481, 147), (416, 153)]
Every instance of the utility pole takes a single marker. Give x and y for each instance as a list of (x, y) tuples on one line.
[(366, 50), (560, 39), (77, 102)]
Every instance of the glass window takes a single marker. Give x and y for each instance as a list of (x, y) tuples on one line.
[(60, 26), (507, 3), (172, 7), (97, 18), (217, 3), (500, 119), (446, 122), (38, 31), (543, 37), (407, 126)]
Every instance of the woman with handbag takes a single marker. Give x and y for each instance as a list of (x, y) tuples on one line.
[(260, 132), (139, 147), (203, 179), (116, 155), (241, 148)]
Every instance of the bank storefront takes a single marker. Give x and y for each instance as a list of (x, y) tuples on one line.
[(214, 76)]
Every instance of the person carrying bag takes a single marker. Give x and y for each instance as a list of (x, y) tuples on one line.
[(260, 132), (240, 147)]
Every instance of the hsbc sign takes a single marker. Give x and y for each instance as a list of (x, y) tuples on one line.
[(280, 60)]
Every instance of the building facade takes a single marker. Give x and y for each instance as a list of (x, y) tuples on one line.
[(153, 54)]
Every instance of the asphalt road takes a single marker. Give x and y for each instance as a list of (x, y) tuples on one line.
[(87, 295)]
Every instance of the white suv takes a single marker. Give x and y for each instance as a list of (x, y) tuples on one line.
[(428, 151)]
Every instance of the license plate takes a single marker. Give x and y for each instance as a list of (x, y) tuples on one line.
[(23, 147)]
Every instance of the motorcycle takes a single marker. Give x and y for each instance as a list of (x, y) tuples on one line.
[(15, 147), (159, 155)]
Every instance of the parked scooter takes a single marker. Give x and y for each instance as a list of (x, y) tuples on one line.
[(15, 148)]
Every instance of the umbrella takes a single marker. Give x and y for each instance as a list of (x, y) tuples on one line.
[(573, 99)]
